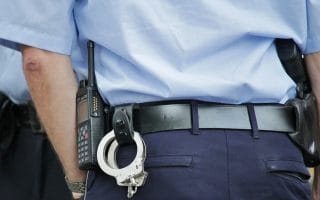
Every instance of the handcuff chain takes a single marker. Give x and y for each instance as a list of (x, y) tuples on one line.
[(132, 188)]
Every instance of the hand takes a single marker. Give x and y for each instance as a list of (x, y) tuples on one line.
[(77, 196), (315, 191)]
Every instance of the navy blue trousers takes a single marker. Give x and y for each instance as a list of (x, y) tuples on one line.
[(31, 170), (215, 165)]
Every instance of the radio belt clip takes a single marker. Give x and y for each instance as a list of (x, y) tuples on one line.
[(133, 175)]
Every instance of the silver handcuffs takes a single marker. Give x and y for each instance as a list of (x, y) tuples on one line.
[(131, 176)]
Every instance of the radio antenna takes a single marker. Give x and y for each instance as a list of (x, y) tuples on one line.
[(91, 71)]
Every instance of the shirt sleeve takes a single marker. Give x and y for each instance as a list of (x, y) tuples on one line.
[(44, 24), (313, 17), (12, 80)]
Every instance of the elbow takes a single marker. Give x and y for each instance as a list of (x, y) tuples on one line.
[(33, 61)]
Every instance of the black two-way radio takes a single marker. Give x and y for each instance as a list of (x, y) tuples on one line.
[(90, 117)]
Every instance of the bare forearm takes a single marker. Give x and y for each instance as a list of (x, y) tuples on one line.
[(53, 89), (313, 67)]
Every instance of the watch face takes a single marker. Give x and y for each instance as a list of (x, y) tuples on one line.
[(82, 111)]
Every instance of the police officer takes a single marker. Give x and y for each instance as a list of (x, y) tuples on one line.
[(28, 165), (165, 53)]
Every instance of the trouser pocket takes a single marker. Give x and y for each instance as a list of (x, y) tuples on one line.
[(289, 179), (288, 170), (167, 175)]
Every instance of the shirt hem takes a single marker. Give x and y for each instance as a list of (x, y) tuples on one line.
[(312, 46), (15, 35)]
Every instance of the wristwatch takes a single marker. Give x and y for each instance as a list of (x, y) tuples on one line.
[(76, 187)]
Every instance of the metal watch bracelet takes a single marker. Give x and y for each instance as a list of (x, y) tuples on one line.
[(76, 187)]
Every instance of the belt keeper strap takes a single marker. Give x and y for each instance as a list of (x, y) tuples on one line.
[(195, 118), (253, 121)]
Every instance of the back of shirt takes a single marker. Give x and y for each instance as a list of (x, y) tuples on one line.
[(12, 81), (220, 51)]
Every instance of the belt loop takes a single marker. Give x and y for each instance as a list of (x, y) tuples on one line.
[(253, 121), (195, 118)]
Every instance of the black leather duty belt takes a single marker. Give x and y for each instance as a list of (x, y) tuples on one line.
[(154, 118)]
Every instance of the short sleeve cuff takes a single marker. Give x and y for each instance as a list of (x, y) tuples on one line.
[(312, 45), (12, 36)]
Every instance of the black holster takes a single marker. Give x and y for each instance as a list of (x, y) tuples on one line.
[(307, 134)]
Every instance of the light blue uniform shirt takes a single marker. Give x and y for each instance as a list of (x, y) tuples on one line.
[(12, 81), (151, 50)]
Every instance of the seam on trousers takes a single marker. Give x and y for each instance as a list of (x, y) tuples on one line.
[(38, 181), (228, 167), (85, 192)]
